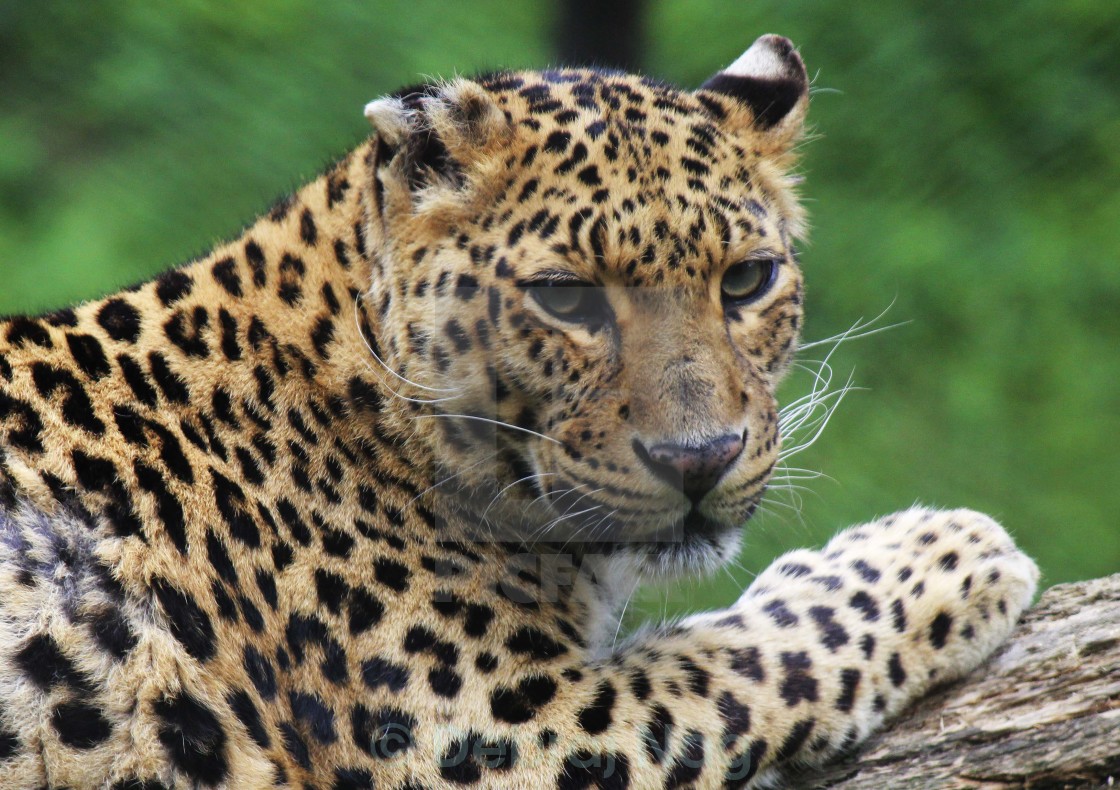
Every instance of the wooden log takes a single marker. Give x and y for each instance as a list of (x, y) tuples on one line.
[(1043, 713)]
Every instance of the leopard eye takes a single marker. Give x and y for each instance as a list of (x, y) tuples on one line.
[(748, 280), (570, 300)]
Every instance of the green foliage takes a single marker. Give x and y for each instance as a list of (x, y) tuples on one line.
[(966, 173)]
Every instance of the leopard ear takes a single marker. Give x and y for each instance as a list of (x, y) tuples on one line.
[(769, 82), (430, 136)]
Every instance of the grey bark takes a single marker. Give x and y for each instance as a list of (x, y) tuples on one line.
[(1043, 713)]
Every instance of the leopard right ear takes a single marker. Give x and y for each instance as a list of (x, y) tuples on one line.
[(769, 89), (430, 137)]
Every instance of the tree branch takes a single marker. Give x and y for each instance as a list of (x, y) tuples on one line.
[(1043, 713)]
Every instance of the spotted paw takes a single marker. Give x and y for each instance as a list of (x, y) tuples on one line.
[(925, 596)]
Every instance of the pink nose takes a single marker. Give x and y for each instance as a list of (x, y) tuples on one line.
[(694, 470)]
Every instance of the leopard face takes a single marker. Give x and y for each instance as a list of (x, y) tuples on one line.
[(591, 291)]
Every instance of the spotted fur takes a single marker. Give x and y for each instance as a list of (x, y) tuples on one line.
[(347, 504)]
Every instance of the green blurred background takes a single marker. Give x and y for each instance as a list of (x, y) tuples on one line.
[(966, 170)]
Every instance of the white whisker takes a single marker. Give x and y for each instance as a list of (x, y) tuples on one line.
[(499, 423), (384, 364), (622, 614), (809, 415), (860, 329), (534, 476), (559, 492), (569, 514), (818, 425), (449, 478)]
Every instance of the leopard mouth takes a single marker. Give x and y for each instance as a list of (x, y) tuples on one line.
[(695, 526), (555, 509), (692, 528), (696, 523)]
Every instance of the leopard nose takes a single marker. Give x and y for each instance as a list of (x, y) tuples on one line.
[(694, 470)]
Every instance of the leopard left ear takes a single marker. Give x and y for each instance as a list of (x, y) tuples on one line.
[(769, 89)]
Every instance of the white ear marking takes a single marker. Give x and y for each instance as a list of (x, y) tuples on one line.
[(389, 117), (767, 59), (769, 79)]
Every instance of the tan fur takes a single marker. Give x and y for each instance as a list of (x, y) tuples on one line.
[(265, 520)]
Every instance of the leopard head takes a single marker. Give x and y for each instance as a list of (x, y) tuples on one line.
[(586, 291)]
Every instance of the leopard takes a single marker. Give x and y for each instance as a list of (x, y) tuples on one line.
[(355, 499)]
